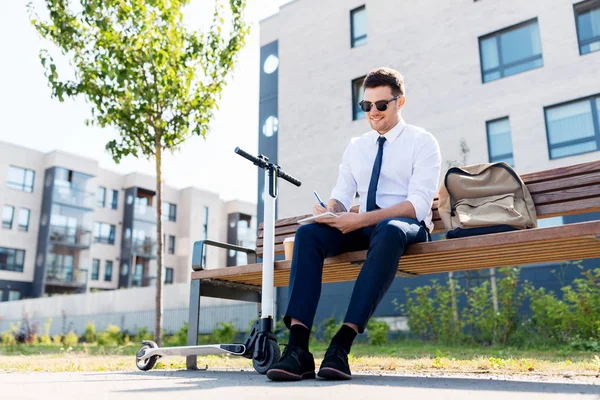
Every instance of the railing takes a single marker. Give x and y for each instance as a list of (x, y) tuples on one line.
[(73, 197), (142, 280), (144, 213), (67, 275), (64, 235), (144, 248)]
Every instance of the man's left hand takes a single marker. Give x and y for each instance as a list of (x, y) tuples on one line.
[(345, 222)]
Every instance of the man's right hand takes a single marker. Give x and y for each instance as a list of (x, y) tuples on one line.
[(319, 209)]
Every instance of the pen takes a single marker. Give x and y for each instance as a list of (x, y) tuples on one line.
[(319, 200)]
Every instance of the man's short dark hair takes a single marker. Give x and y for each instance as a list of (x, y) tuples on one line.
[(385, 77)]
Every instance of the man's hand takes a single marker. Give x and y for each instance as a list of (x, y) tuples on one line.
[(319, 209), (345, 222)]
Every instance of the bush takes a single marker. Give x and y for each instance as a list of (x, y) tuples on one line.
[(144, 334), (90, 333), (8, 339), (70, 339), (111, 337), (377, 332), (328, 328), (45, 338), (224, 333), (179, 338)]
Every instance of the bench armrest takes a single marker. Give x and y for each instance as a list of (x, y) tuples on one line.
[(199, 250)]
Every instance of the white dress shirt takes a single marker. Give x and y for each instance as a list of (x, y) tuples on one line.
[(410, 170)]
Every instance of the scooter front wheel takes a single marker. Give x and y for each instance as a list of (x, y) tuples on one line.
[(147, 364), (272, 354)]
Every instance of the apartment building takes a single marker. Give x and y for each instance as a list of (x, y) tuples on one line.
[(69, 226)]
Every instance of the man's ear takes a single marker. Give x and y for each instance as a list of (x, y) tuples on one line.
[(401, 101)]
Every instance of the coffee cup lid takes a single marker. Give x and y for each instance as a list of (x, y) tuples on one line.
[(288, 239)]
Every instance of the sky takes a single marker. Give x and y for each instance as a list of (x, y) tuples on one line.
[(31, 118)]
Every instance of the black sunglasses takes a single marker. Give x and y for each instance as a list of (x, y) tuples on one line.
[(381, 105)]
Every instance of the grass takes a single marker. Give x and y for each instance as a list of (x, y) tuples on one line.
[(405, 356)]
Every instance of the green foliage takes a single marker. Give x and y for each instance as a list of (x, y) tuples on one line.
[(179, 338), (573, 320), (327, 329), (70, 339), (377, 332), (224, 333), (144, 334), (111, 337), (90, 333)]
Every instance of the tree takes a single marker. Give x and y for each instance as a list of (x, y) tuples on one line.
[(144, 74)]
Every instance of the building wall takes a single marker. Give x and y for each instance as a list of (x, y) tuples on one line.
[(188, 227), (435, 46)]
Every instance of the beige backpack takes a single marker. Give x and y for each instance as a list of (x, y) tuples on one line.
[(485, 198)]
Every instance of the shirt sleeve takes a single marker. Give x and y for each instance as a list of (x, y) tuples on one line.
[(346, 185), (423, 183)]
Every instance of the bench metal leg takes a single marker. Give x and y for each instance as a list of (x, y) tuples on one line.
[(193, 321)]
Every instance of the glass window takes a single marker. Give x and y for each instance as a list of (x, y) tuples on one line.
[(95, 269), (8, 214), (104, 233), (510, 51), (499, 141), (168, 275), (108, 267), (24, 214), (12, 259), (1, 295), (169, 211), (574, 127), (20, 179), (358, 91), (358, 26), (587, 19), (171, 244), (14, 295), (205, 232), (114, 199), (101, 197)]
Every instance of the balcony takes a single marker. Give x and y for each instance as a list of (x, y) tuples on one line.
[(72, 237), (144, 213), (72, 197), (142, 280), (144, 248), (65, 275)]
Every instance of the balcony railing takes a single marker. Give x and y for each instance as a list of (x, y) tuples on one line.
[(144, 248), (144, 213), (65, 275), (73, 197), (142, 280), (76, 237)]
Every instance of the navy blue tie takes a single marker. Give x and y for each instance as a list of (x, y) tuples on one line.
[(371, 204)]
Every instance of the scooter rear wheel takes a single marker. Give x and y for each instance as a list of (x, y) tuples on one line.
[(272, 354)]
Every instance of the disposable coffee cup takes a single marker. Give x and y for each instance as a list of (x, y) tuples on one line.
[(288, 247)]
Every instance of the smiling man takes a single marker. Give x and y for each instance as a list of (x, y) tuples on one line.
[(395, 168)]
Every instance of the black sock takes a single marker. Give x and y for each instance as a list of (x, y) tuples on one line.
[(344, 337), (299, 335)]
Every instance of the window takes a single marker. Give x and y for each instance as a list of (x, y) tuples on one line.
[(12, 259), (499, 141), (20, 179), (357, 95), (205, 225), (95, 269), (114, 199), (573, 127), (14, 295), (101, 197), (24, 214), (510, 51), (8, 213), (587, 19), (169, 211), (171, 248), (168, 275), (358, 26), (1, 295), (104, 233), (108, 267)]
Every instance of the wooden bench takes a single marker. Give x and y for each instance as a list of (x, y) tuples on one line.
[(556, 192)]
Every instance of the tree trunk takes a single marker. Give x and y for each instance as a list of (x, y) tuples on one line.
[(494, 299), (454, 305), (158, 322)]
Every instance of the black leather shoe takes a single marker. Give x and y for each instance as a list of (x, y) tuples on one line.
[(295, 364), (335, 364)]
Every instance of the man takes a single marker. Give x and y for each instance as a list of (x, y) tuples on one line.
[(395, 169)]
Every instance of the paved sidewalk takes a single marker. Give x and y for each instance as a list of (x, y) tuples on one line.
[(225, 385)]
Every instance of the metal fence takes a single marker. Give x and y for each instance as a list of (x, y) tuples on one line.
[(131, 321)]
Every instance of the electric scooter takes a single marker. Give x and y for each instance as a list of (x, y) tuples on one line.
[(261, 344)]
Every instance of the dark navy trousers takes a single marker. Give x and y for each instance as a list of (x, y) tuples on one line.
[(386, 242)]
